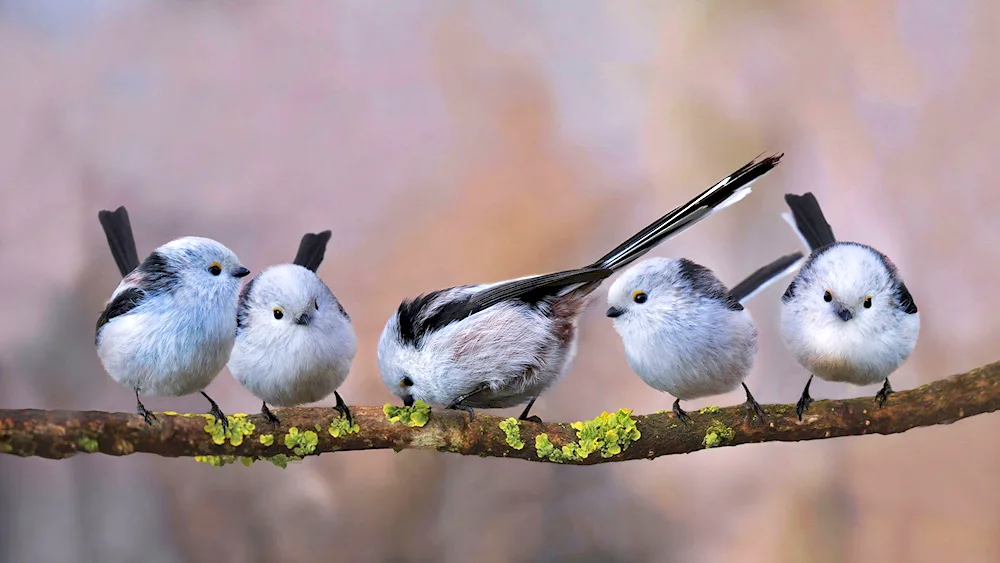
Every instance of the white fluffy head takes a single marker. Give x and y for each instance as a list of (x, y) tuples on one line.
[(195, 265), (657, 288)]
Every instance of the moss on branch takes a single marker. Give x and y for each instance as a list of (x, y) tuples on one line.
[(611, 437)]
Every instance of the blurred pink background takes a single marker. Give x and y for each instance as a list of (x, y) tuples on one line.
[(449, 142)]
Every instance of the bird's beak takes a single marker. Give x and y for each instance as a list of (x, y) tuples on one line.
[(844, 313), (241, 272), (615, 312), (407, 400), (303, 319)]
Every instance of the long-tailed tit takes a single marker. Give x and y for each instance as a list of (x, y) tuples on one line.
[(502, 344), (847, 315), (294, 340), (170, 324), (684, 332)]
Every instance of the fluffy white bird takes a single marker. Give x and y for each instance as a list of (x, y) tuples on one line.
[(847, 315), (684, 332), (170, 324), (294, 341), (502, 344)]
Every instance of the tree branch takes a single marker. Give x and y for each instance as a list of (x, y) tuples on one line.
[(61, 434)]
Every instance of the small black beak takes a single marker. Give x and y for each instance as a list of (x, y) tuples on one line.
[(241, 272), (303, 320), (844, 313), (615, 312), (407, 400)]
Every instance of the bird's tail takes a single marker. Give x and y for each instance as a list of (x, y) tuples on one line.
[(757, 281), (808, 221), (312, 249), (118, 230), (724, 193)]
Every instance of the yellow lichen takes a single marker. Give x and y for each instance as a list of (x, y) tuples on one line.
[(302, 443), (247, 461), (215, 460), (512, 429), (239, 427), (340, 427), (266, 439), (710, 410), (282, 460), (718, 434), (415, 416), (87, 444), (5, 448), (609, 434)]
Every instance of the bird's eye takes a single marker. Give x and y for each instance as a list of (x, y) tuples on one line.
[(278, 313), (316, 304), (868, 302), (215, 269), (639, 296), (406, 382), (827, 296)]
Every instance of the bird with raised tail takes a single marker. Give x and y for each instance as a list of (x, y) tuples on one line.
[(847, 315), (294, 340), (502, 344), (169, 326), (685, 333)]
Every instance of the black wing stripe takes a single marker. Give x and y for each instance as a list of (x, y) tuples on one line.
[(121, 304)]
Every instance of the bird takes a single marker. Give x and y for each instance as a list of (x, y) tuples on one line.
[(684, 332), (500, 345), (294, 340), (847, 315), (169, 326)]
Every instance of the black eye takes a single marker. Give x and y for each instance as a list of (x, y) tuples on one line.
[(827, 296), (278, 313), (640, 296), (868, 302), (316, 304), (215, 269), (406, 382)]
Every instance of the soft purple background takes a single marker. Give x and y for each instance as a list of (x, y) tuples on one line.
[(450, 142)]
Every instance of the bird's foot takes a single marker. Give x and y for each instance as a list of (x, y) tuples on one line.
[(215, 411), (459, 407), (884, 393), (804, 401), (269, 416), (341, 407), (679, 412), (754, 410)]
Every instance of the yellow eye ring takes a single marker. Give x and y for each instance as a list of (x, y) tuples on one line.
[(639, 296), (868, 302), (406, 382), (278, 313), (215, 269)]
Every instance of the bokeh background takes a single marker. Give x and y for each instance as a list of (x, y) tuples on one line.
[(448, 142)]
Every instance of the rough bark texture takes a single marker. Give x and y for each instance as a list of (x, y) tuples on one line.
[(61, 434)]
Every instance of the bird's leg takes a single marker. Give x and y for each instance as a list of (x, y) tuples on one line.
[(457, 403), (268, 415), (681, 415), (882, 395), (140, 409), (524, 414), (753, 407), (805, 400), (217, 413), (341, 406)]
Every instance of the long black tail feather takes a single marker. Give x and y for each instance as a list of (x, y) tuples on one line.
[(312, 249), (760, 279), (809, 220), (118, 231)]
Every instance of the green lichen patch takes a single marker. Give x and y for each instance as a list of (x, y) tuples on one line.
[(512, 429), (282, 460), (710, 410), (5, 448), (415, 416), (215, 460), (266, 439), (87, 444), (609, 434), (302, 443), (247, 461), (718, 434), (340, 427), (239, 427)]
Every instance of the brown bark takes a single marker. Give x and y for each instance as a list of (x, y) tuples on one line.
[(60, 434)]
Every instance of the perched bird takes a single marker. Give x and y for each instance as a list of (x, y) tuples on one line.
[(502, 344), (170, 324), (684, 332), (294, 340), (847, 315)]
